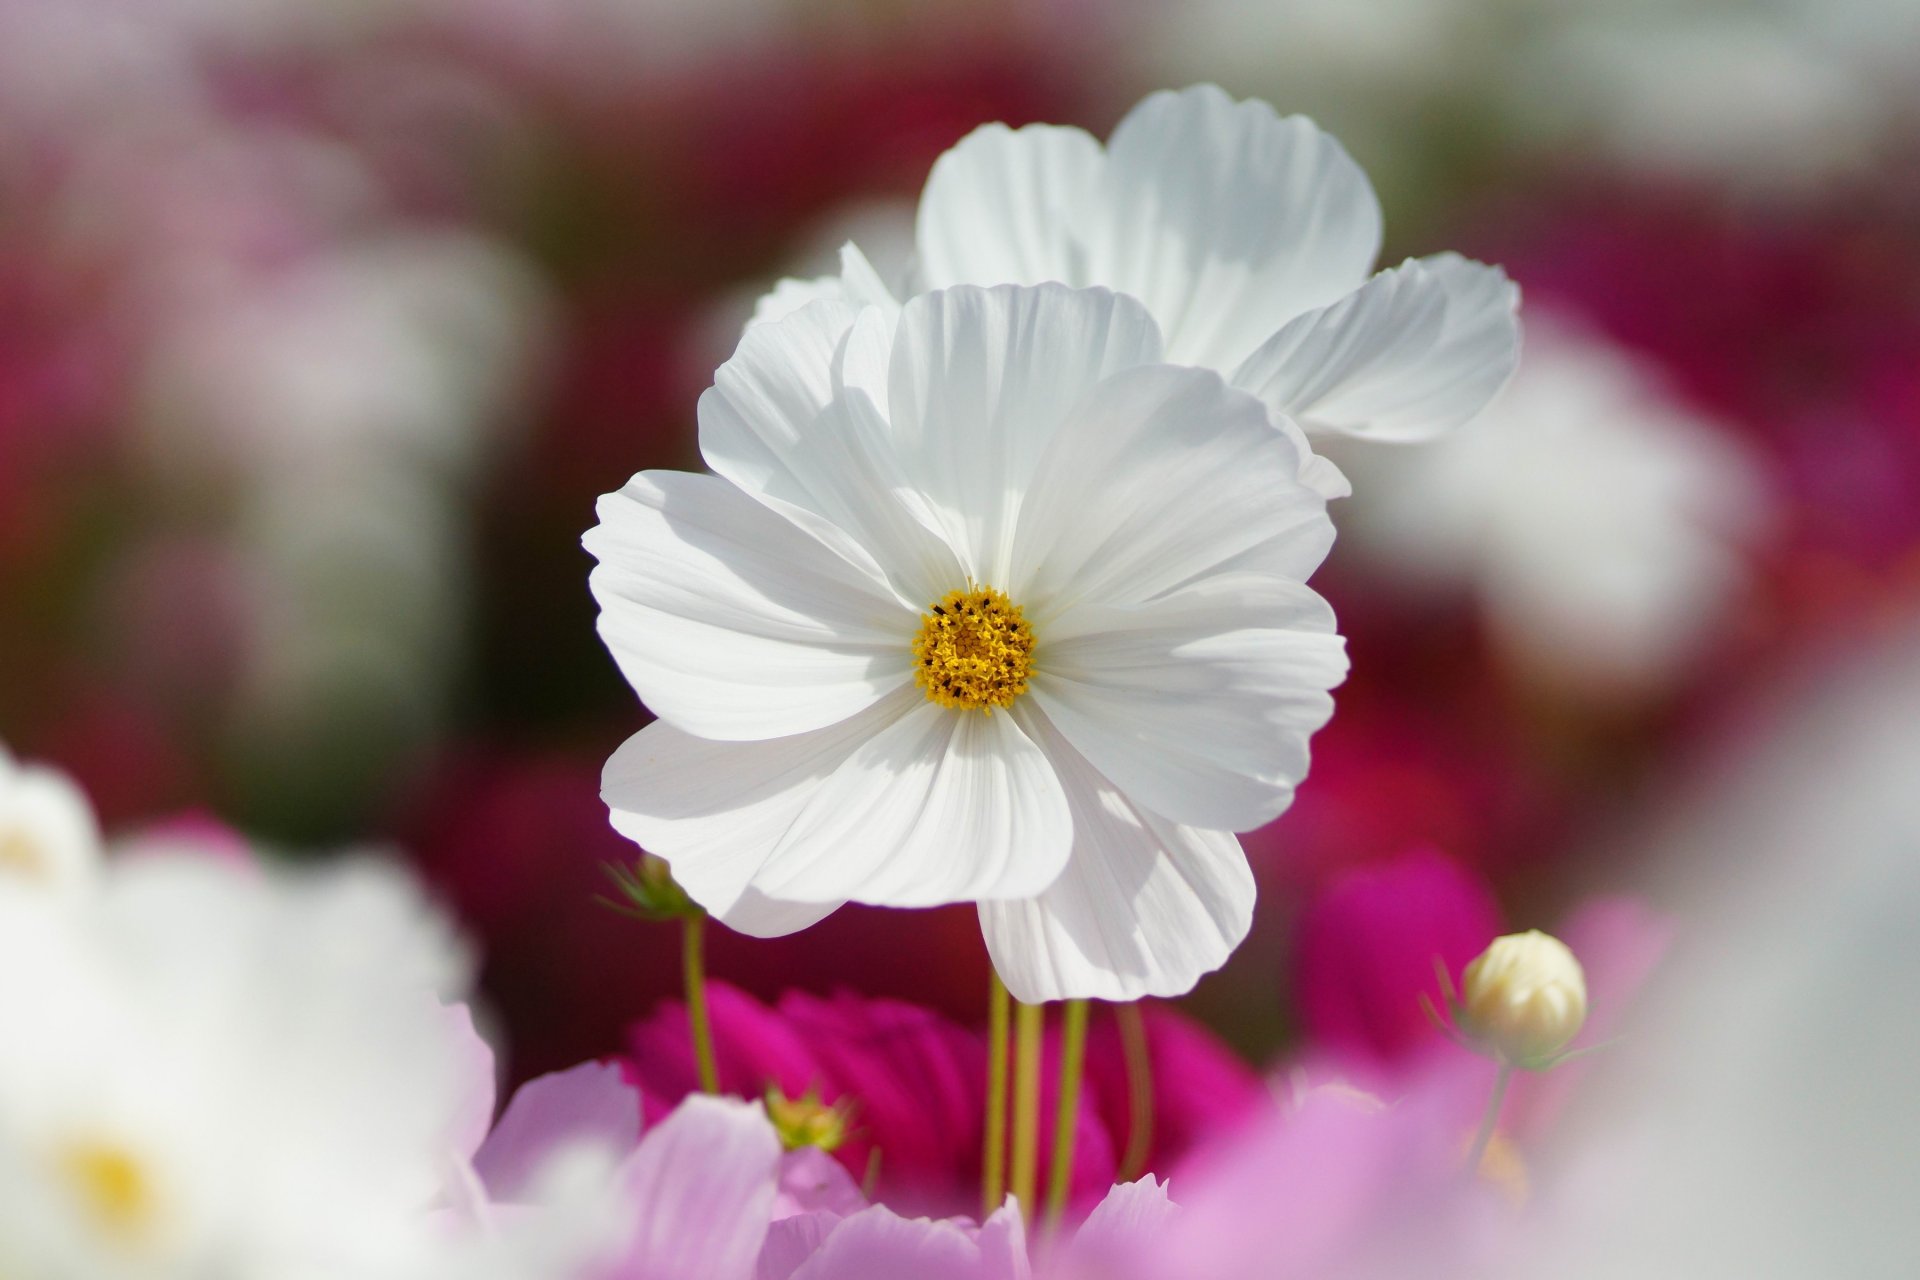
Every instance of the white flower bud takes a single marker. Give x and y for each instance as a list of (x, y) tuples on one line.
[(1524, 998)]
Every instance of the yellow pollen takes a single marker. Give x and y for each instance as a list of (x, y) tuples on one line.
[(807, 1121), (20, 856), (112, 1186), (974, 649)]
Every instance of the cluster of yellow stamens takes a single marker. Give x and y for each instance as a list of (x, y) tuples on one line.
[(974, 650)]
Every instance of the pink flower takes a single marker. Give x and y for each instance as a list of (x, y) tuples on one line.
[(1368, 945), (917, 1083)]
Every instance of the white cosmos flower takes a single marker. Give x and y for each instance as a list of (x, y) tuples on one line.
[(1251, 237), (49, 838), (1137, 678), (1603, 524), (213, 1070)]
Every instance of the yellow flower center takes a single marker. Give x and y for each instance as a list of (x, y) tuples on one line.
[(807, 1121), (974, 650), (20, 855), (111, 1185)]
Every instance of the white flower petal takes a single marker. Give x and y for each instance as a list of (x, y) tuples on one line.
[(1161, 477), (980, 380), (1144, 908), (1228, 220), (858, 283), (1415, 352), (777, 424), (49, 837), (758, 916), (1003, 205), (703, 1183), (731, 621), (1198, 705), (939, 806), (715, 810)]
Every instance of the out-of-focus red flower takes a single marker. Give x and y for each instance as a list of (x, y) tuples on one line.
[(1368, 946), (1801, 327), (917, 1083)]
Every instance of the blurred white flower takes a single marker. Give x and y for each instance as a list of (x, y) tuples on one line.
[(1250, 237), (49, 837), (986, 603), (1603, 525), (1760, 1120), (1769, 94), (220, 1070)]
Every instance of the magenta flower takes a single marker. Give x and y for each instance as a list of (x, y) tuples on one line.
[(1368, 946), (917, 1083)]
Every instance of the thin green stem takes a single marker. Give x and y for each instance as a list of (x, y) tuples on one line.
[(693, 970), (1029, 1024), (1489, 1121), (993, 1151), (1133, 1048), (1066, 1115)]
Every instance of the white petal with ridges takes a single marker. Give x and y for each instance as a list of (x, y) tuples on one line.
[(1005, 206), (1413, 354), (1159, 478), (1198, 705), (777, 423), (730, 621), (1228, 220), (980, 380), (942, 805), (716, 810), (1145, 907)]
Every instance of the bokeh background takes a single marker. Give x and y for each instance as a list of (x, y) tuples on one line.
[(322, 325)]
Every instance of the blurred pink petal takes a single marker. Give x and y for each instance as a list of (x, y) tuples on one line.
[(703, 1185), (588, 1103), (811, 1181)]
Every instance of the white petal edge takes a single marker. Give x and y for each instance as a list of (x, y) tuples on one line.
[(780, 423), (731, 621), (858, 283), (716, 810), (1198, 705), (1414, 353), (1002, 206), (1228, 220), (1144, 908)]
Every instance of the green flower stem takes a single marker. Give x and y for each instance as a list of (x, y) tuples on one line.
[(693, 970), (1066, 1116), (1489, 1121), (1133, 1048), (993, 1152), (1029, 1025)]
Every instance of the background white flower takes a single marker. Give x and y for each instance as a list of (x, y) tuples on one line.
[(216, 1070), (1249, 236), (1603, 524), (49, 838), (1147, 524)]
